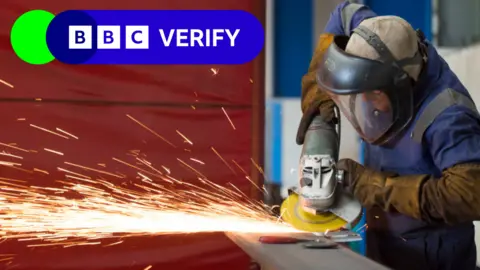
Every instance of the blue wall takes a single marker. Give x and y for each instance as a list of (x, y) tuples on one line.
[(417, 12), (293, 45)]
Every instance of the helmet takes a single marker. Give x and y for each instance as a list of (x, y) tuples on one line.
[(371, 76)]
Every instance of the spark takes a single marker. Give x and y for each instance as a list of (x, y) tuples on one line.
[(49, 131), (92, 169), (148, 267), (21, 119), (191, 168), (3, 153), (184, 137), (53, 151), (114, 243), (6, 83), (40, 171), (222, 159), (150, 130), (229, 120), (246, 175), (149, 165), (198, 161), (14, 147), (38, 99), (166, 169), (10, 164), (67, 133), (214, 71), (257, 166), (6, 259), (135, 167), (70, 172)]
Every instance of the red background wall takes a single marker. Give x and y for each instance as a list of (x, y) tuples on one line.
[(91, 102)]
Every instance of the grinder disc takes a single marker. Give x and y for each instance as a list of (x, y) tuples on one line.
[(293, 213)]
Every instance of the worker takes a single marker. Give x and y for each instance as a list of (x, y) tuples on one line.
[(420, 183)]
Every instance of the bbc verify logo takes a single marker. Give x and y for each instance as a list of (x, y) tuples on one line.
[(161, 37), (137, 37), (108, 37)]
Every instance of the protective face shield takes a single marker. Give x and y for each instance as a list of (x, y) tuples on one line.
[(376, 96)]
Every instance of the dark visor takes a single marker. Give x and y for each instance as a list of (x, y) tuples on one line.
[(342, 73)]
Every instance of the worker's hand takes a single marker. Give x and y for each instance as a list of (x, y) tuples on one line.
[(362, 182), (319, 107)]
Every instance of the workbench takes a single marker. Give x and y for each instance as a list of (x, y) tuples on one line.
[(297, 257)]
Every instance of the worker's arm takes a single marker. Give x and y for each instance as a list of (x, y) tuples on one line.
[(314, 100), (453, 141)]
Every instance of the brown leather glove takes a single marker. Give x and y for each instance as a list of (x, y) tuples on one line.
[(314, 100), (374, 188), (452, 198)]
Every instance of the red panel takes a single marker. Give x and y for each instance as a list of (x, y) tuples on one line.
[(107, 132), (92, 103)]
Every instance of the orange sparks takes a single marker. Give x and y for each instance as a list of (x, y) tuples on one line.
[(198, 161), (224, 161), (166, 169), (49, 131), (3, 153), (7, 163), (92, 210), (135, 167), (191, 168), (67, 133), (114, 243), (246, 175), (257, 166), (74, 173), (150, 130), (148, 267), (53, 151), (6, 259), (6, 83), (38, 99), (92, 169), (21, 119), (229, 120), (14, 147), (214, 71), (184, 137), (40, 171), (107, 209)]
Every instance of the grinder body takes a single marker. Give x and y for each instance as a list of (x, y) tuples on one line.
[(319, 202), (317, 172)]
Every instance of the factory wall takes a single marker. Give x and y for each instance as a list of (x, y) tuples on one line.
[(288, 54)]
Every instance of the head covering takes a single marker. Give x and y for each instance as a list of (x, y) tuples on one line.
[(371, 76), (396, 33)]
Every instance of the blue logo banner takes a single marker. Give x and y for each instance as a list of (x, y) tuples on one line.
[(155, 37)]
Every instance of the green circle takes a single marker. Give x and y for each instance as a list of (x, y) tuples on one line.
[(29, 37)]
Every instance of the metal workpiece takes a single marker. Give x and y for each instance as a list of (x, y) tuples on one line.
[(295, 256)]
